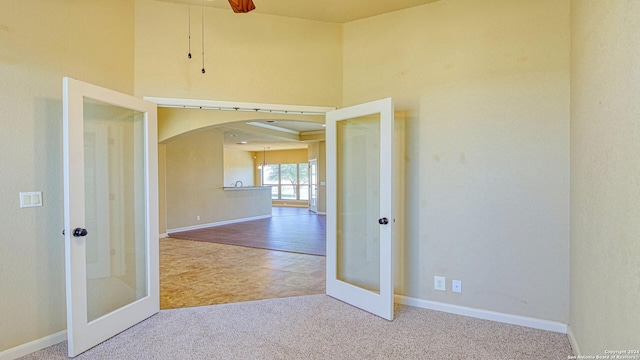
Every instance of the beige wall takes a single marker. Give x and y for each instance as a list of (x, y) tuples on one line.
[(483, 87), (282, 156), (252, 58), (40, 42), (605, 175), (194, 180), (238, 165)]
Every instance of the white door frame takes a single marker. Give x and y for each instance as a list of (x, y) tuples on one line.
[(381, 303), (81, 333)]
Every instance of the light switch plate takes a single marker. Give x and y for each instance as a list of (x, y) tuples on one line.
[(30, 199)]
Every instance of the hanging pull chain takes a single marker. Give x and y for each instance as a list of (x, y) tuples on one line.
[(203, 39), (189, 55)]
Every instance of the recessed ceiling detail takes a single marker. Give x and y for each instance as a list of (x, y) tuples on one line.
[(259, 134)]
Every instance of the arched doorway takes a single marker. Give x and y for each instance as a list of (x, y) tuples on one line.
[(244, 271)]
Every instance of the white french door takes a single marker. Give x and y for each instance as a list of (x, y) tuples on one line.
[(359, 206), (111, 212), (313, 185)]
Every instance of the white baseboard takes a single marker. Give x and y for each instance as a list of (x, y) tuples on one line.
[(28, 348), (162, 236), (573, 342), (219, 223), (484, 314)]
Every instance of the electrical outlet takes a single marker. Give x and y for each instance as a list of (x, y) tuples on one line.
[(440, 283), (456, 286), (198, 218)]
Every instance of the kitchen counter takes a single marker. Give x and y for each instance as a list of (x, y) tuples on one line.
[(236, 188)]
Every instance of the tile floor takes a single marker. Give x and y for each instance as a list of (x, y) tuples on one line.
[(194, 273)]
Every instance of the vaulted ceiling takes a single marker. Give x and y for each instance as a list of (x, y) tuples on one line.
[(291, 134), (337, 11)]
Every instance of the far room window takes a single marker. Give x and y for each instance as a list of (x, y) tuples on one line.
[(288, 181)]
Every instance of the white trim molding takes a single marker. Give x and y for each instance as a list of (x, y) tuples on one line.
[(535, 323), (33, 346), (219, 223), (573, 342), (239, 106), (163, 235)]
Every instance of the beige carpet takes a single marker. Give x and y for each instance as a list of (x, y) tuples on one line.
[(319, 327)]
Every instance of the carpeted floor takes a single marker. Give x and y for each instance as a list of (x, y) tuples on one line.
[(318, 327)]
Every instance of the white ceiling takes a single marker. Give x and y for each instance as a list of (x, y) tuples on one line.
[(338, 11)]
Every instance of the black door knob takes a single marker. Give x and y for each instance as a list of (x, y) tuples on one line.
[(80, 232), (383, 221)]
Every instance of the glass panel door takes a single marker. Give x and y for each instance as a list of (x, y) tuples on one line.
[(359, 206), (114, 206), (111, 230), (313, 185), (358, 200)]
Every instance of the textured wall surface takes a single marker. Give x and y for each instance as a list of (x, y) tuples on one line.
[(605, 175), (484, 88), (194, 181), (40, 42), (250, 57), (238, 165), (486, 118)]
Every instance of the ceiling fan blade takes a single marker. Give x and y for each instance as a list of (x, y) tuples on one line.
[(242, 6)]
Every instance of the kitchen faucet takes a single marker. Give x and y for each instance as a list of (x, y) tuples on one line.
[(236, 184)]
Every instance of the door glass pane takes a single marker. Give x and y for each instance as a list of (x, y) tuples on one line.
[(304, 192), (358, 202), (313, 178), (303, 181), (114, 207)]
